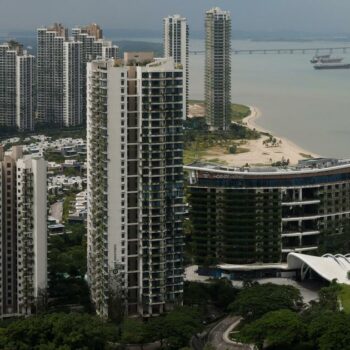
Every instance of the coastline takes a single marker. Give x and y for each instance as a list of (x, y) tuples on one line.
[(250, 122), (267, 150)]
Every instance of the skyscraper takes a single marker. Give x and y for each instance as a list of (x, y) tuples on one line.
[(16, 87), (93, 46), (50, 68), (218, 69), (72, 83), (135, 184), (23, 232), (61, 71), (175, 42)]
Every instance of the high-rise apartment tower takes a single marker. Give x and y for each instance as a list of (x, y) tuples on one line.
[(93, 47), (23, 245), (16, 87), (50, 76), (218, 69), (175, 42), (61, 71), (135, 184)]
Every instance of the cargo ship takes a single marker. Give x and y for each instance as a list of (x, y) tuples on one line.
[(332, 66)]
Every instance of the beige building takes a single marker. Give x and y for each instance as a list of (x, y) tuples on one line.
[(135, 184), (23, 246), (176, 46), (16, 87)]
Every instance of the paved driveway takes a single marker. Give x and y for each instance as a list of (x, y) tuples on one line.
[(216, 335)]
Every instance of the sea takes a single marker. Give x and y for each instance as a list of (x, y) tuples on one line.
[(309, 107)]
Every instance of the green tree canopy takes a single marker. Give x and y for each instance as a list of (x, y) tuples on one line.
[(256, 300), (134, 331), (58, 331), (276, 328)]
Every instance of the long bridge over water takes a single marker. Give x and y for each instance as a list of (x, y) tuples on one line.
[(314, 50)]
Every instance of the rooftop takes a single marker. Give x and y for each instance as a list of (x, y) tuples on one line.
[(309, 165)]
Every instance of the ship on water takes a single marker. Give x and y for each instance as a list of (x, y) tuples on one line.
[(319, 66), (326, 59), (317, 58), (328, 62)]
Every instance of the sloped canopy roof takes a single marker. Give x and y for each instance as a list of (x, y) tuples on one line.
[(328, 266)]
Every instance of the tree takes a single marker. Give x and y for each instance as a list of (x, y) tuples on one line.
[(135, 332), (336, 335), (255, 301), (180, 325), (67, 267), (277, 329), (222, 293), (232, 149), (157, 329), (328, 296), (58, 331)]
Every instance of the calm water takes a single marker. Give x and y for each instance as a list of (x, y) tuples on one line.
[(311, 108)]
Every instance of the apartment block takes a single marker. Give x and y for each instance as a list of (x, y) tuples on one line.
[(218, 69), (243, 216), (176, 46), (23, 246), (50, 74), (16, 87), (135, 184), (72, 83), (93, 46)]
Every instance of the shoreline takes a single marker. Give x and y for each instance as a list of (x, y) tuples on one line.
[(267, 150), (250, 122)]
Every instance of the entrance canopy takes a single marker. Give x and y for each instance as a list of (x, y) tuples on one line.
[(328, 266)]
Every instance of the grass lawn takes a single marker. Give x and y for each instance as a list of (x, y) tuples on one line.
[(345, 297), (239, 112)]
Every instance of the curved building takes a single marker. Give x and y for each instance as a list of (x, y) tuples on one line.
[(260, 215)]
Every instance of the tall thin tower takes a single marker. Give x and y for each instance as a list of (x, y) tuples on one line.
[(218, 68), (16, 86), (23, 244), (50, 77), (175, 42), (135, 184)]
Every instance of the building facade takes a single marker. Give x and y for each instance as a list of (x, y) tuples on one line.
[(50, 74), (23, 215), (218, 69), (93, 46), (61, 71), (72, 83), (248, 216), (176, 46), (135, 184), (16, 87)]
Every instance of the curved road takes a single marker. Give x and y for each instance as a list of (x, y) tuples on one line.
[(216, 338)]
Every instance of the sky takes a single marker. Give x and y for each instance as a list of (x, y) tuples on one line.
[(312, 16)]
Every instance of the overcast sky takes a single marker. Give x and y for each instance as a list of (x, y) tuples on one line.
[(316, 16)]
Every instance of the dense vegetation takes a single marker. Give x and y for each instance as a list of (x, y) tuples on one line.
[(58, 332), (67, 269), (257, 299), (198, 139), (276, 323)]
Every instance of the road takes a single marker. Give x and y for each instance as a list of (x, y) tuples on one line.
[(216, 335)]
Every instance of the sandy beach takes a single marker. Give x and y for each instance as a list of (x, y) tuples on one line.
[(261, 151), (264, 151)]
